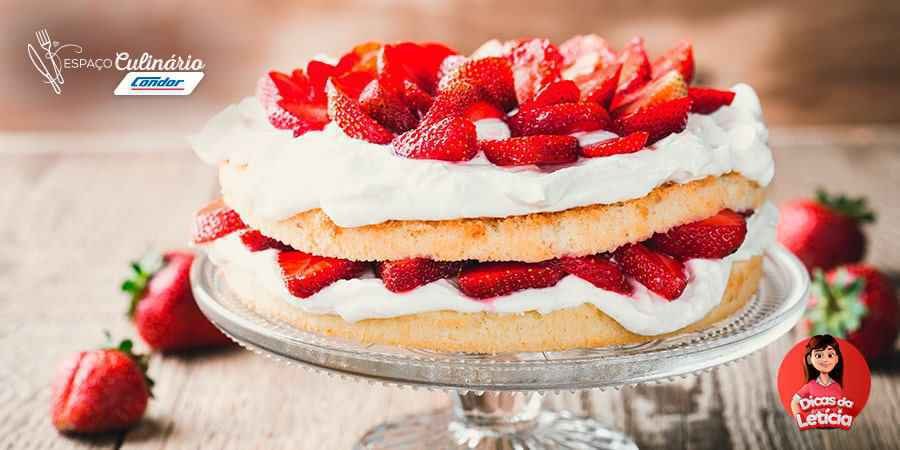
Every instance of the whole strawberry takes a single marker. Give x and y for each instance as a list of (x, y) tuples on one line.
[(856, 302), (163, 307), (100, 390), (825, 232)]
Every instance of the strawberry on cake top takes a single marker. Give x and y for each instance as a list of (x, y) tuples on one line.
[(407, 194)]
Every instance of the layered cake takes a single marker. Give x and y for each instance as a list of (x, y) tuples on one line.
[(526, 197)]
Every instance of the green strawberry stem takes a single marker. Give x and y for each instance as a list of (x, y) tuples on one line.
[(839, 309), (855, 208), (137, 284)]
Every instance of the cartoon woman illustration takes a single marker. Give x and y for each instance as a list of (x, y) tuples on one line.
[(824, 367)]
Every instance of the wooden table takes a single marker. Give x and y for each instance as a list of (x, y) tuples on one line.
[(76, 208)]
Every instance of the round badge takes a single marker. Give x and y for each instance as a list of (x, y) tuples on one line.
[(824, 382)]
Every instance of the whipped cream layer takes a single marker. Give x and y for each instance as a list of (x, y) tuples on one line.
[(643, 312), (359, 183)]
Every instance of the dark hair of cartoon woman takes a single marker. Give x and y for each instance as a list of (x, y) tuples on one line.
[(819, 344)]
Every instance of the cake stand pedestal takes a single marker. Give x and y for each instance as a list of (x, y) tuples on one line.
[(494, 420), (496, 399)]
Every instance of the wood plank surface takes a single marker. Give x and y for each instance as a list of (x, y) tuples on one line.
[(71, 221)]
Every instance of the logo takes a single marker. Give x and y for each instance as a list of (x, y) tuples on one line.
[(47, 62), (158, 83), (824, 382), (146, 74)]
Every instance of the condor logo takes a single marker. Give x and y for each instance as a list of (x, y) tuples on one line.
[(158, 83)]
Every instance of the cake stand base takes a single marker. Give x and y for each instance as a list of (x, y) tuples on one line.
[(495, 401), (494, 420)]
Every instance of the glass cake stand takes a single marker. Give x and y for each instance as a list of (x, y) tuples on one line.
[(496, 399)]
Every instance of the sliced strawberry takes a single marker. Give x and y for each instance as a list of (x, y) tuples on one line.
[(353, 83), (318, 73), (491, 48), (527, 150), (483, 110), (283, 120), (452, 101), (563, 118), (416, 98), (680, 58), (295, 86), (635, 68), (255, 241), (293, 109), (492, 76), (669, 86), (449, 65), (658, 272), (387, 106), (362, 58), (658, 120), (712, 238), (617, 146), (310, 116), (563, 91), (600, 85), (597, 270), (349, 115), (535, 64), (578, 46), (430, 58), (392, 67), (707, 101), (407, 274), (268, 96), (584, 54), (306, 274), (215, 220), (419, 63), (494, 279), (450, 139)]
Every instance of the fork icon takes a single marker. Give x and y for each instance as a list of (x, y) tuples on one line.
[(43, 38), (51, 72)]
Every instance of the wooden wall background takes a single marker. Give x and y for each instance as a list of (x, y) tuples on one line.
[(813, 62)]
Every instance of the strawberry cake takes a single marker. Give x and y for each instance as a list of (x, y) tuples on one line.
[(526, 197)]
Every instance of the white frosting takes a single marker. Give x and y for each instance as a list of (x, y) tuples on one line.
[(491, 129), (643, 312), (593, 137), (358, 183)]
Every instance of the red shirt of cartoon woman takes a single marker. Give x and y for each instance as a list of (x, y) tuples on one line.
[(822, 396)]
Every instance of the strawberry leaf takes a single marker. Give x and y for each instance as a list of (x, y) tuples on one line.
[(142, 270), (839, 309), (126, 345), (855, 208)]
